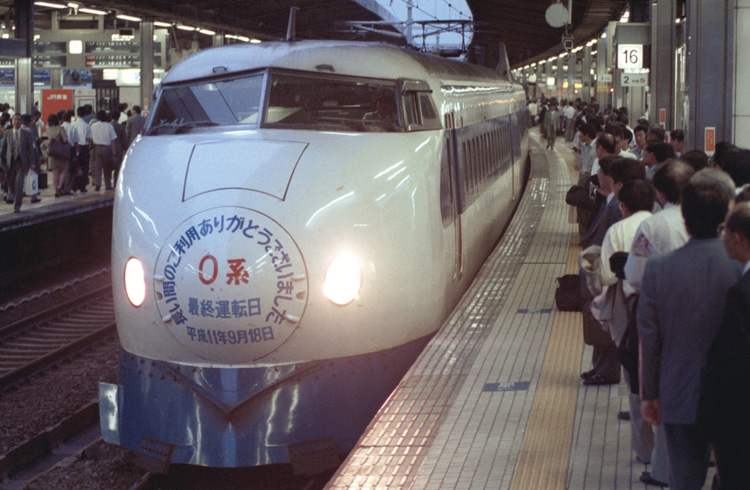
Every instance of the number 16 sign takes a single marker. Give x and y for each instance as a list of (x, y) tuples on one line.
[(630, 56)]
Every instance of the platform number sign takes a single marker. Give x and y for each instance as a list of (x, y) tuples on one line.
[(630, 56)]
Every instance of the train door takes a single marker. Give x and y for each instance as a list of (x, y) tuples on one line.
[(450, 195)]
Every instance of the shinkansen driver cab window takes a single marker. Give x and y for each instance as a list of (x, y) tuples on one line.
[(331, 103), (296, 100)]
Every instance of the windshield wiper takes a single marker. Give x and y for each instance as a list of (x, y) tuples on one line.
[(177, 128)]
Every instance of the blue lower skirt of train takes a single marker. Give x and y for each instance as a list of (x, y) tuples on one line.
[(226, 417)]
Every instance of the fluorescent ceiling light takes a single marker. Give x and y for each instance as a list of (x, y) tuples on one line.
[(92, 11), (129, 17), (254, 41), (162, 24), (51, 5), (186, 28), (207, 32)]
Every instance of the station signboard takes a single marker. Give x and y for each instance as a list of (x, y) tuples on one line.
[(634, 79), (630, 56)]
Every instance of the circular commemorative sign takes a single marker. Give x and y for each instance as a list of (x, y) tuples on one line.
[(230, 284)]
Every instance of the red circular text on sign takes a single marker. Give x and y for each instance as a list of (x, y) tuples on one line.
[(215, 269)]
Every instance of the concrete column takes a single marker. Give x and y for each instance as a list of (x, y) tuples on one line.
[(663, 46), (560, 78), (218, 39), (602, 88), (24, 21), (710, 67), (740, 135), (586, 78), (571, 76), (147, 63), (55, 76)]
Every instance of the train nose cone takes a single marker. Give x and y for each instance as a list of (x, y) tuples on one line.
[(230, 285)]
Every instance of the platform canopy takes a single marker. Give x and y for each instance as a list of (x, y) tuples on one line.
[(520, 24)]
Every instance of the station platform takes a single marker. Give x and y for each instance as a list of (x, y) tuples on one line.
[(52, 240), (52, 207), (495, 400)]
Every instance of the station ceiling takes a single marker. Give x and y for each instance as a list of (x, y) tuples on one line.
[(520, 24)]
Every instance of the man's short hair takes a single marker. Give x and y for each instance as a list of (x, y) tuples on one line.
[(137, 109), (722, 148), (81, 111), (26, 119), (624, 170), (605, 163), (637, 195), (606, 141), (661, 151), (738, 220), (589, 130), (656, 132), (737, 165), (705, 201), (677, 135), (641, 127), (696, 159), (672, 178)]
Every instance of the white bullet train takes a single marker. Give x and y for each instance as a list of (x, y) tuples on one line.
[(295, 223)]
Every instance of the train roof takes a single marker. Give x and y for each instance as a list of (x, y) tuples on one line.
[(374, 60)]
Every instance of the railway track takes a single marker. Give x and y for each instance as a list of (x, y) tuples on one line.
[(46, 338)]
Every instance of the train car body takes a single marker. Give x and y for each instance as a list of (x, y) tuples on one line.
[(303, 217)]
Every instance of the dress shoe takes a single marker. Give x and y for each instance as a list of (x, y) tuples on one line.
[(588, 374), (35, 200), (83, 191), (97, 188), (649, 480), (16, 210), (108, 188), (598, 380), (623, 415)]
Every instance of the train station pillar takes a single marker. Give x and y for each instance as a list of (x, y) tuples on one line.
[(740, 126), (572, 65), (710, 65), (560, 78), (602, 87), (24, 21), (147, 63), (586, 78), (663, 46)]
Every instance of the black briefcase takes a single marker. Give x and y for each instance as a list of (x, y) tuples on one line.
[(42, 180)]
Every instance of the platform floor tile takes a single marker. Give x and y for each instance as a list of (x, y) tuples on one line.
[(494, 400)]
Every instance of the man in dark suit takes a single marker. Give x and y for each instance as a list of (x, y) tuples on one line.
[(18, 150), (679, 314), (725, 396), (605, 366), (134, 126)]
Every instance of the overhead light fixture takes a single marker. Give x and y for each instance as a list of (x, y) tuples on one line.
[(73, 5), (207, 32), (129, 17), (51, 5), (92, 11), (162, 24), (253, 41), (185, 28)]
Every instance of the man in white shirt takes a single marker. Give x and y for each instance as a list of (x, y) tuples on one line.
[(104, 136), (72, 136), (660, 234), (83, 133), (636, 200)]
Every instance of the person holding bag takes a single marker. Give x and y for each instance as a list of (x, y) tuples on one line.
[(57, 149)]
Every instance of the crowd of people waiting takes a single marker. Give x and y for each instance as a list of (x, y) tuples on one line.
[(74, 146), (665, 274)]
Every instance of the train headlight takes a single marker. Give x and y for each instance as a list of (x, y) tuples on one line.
[(135, 282), (343, 279)]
